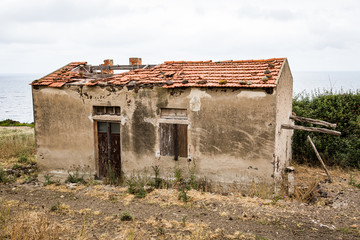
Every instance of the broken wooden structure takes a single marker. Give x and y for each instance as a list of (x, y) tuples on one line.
[(314, 129)]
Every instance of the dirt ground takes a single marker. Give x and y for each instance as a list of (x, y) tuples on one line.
[(76, 211)]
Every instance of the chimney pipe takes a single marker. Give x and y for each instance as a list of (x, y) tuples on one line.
[(107, 62), (135, 61)]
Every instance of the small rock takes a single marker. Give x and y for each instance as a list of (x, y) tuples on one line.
[(131, 83), (169, 82), (184, 81), (62, 196), (267, 71)]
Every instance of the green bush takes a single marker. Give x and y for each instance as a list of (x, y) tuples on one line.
[(75, 177), (12, 123), (125, 216), (3, 176), (136, 187), (341, 108)]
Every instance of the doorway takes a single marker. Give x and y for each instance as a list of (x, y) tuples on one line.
[(109, 149)]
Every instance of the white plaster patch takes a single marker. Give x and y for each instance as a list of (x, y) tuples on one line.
[(251, 94), (195, 104), (91, 117), (150, 120), (123, 120), (195, 96)]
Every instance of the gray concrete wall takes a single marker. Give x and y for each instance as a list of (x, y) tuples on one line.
[(231, 132)]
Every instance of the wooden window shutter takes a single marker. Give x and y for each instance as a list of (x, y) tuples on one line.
[(173, 140)]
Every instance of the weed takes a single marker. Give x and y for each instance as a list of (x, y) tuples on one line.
[(178, 175), (4, 178), (183, 220), (113, 178), (136, 186), (23, 159), (48, 179), (192, 180), (55, 207), (344, 230), (353, 183), (113, 198), (275, 199), (17, 167), (182, 195), (260, 238), (75, 176), (161, 230), (125, 216), (158, 180), (59, 208)]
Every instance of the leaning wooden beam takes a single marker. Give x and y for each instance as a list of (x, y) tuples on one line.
[(319, 157), (313, 121), (311, 129)]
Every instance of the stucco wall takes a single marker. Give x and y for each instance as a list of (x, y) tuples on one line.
[(231, 132), (284, 92)]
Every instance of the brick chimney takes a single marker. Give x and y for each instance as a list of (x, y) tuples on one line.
[(135, 61), (108, 62)]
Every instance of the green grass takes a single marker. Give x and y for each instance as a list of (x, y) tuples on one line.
[(12, 123)]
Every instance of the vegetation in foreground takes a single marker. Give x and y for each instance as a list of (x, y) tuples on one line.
[(162, 209)]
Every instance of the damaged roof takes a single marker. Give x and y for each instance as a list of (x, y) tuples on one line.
[(172, 74)]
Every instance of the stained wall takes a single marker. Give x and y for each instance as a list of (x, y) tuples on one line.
[(232, 133)]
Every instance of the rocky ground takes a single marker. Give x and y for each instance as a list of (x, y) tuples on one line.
[(77, 211)]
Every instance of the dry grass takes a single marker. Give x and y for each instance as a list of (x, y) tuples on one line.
[(16, 143), (28, 225)]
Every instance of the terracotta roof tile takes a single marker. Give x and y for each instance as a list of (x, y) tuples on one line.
[(172, 74), (61, 76)]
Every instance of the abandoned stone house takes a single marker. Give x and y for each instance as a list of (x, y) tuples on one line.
[(223, 119)]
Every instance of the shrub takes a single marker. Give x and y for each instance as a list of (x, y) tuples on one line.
[(75, 176), (340, 108), (12, 123), (125, 216), (136, 187), (48, 179), (4, 178)]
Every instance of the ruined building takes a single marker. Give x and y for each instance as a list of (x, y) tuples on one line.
[(223, 119)]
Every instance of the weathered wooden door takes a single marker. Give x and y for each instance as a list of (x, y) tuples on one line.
[(109, 151)]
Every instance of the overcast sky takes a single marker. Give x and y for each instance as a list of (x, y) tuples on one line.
[(39, 36)]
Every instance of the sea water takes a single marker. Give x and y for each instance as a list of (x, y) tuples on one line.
[(16, 98)]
